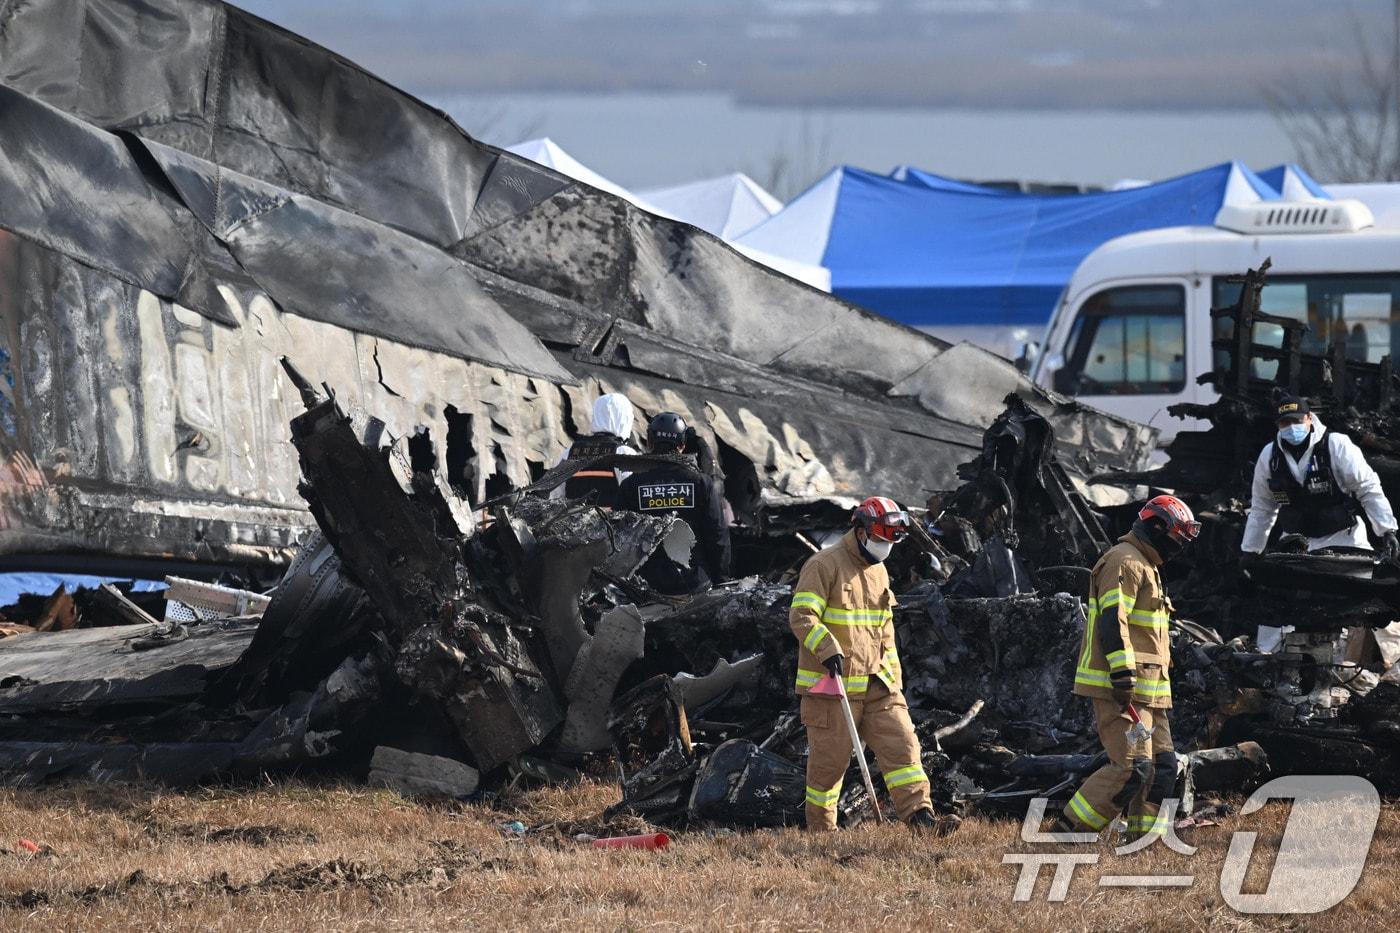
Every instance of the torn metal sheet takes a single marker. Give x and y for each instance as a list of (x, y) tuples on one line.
[(616, 642), (87, 670), (297, 142), (576, 550), (968, 385), (700, 692), (415, 774), (176, 764), (135, 428), (316, 724), (314, 618), (301, 118), (83, 192), (655, 750)]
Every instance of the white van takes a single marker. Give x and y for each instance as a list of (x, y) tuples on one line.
[(1133, 330)]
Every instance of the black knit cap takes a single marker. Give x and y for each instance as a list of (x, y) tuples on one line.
[(1287, 406)]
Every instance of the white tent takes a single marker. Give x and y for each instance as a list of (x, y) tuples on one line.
[(1383, 200), (728, 206), (550, 154), (547, 152)]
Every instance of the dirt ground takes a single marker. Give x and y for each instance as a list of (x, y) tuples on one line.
[(301, 857)]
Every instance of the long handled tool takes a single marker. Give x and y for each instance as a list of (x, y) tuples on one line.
[(839, 689)]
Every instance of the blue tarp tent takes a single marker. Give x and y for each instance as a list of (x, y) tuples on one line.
[(922, 179), (934, 252), (20, 583)]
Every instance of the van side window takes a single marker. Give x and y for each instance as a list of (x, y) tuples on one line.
[(1129, 340), (1359, 311)]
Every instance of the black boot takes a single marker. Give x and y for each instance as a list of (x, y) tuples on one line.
[(924, 822)]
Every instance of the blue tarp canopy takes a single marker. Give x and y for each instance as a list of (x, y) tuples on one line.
[(922, 179), (17, 584), (929, 251)]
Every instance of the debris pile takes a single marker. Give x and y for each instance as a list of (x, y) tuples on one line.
[(438, 648), (442, 625)]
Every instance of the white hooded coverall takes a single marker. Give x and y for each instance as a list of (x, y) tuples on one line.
[(1352, 474), (611, 413)]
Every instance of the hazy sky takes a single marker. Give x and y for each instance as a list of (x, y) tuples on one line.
[(784, 88), (1006, 53)]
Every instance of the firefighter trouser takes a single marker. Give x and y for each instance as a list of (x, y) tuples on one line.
[(882, 721), (1137, 778)]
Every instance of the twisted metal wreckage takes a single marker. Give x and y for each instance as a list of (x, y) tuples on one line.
[(192, 195)]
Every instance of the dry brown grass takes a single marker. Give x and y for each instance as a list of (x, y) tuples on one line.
[(299, 857)]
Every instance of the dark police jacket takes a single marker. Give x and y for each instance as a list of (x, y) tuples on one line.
[(602, 483), (677, 488)]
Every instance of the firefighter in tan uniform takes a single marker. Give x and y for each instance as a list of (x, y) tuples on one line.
[(1123, 660), (842, 614)]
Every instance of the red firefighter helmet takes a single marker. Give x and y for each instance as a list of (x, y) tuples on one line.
[(1174, 518), (882, 518)]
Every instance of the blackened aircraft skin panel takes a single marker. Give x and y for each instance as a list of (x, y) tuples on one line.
[(281, 109), (821, 445), (134, 211), (226, 86), (686, 284), (79, 191), (303, 252), (130, 427), (203, 159)]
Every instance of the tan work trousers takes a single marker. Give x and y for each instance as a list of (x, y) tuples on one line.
[(882, 721), (1138, 775)]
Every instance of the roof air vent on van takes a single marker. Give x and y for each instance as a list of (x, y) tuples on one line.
[(1262, 217)]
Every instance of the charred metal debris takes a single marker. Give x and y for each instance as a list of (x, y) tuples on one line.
[(440, 646), (172, 229), (440, 624)]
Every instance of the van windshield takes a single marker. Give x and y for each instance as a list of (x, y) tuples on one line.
[(1363, 311)]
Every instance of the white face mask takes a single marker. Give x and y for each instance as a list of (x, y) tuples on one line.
[(878, 549)]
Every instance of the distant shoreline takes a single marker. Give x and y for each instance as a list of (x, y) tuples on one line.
[(655, 139)]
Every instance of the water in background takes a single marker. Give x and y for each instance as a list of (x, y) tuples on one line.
[(649, 140)]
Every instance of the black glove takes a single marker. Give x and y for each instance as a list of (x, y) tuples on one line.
[(1390, 547), (833, 665), (1123, 683)]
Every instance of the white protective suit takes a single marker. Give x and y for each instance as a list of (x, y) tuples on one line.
[(611, 413), (1352, 474)]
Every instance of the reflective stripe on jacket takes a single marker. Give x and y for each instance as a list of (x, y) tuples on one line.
[(843, 605), (1128, 626)]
